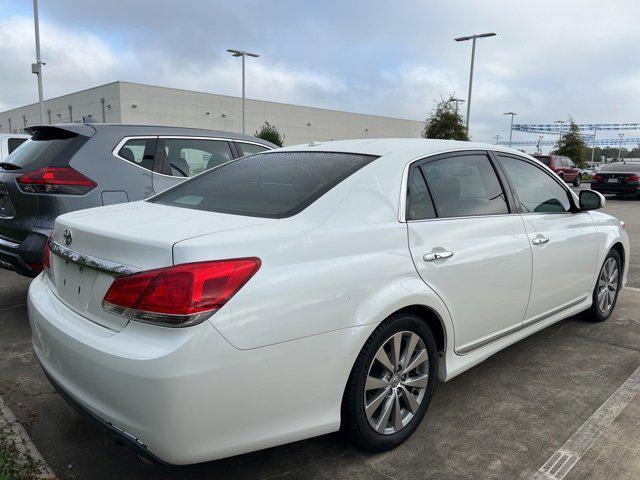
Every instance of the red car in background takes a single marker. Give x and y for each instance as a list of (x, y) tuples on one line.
[(563, 166)]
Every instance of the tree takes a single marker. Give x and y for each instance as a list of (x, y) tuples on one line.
[(445, 122), (572, 145), (270, 133)]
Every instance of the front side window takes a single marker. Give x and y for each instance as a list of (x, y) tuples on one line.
[(139, 151), (187, 157), (465, 185), (270, 185), (536, 191), (250, 148)]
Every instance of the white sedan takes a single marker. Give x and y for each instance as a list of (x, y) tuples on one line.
[(313, 288)]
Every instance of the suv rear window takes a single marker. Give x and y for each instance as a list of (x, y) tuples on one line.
[(46, 150), (544, 159), (270, 185)]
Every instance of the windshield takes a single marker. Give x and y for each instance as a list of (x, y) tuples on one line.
[(35, 153), (621, 168), (271, 185)]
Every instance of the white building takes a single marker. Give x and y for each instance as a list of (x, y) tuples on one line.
[(134, 103)]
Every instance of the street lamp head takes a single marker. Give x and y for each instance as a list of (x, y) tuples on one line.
[(240, 53), (509, 113), (471, 37)]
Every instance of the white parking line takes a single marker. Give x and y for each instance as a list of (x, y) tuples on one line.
[(565, 458), (633, 289)]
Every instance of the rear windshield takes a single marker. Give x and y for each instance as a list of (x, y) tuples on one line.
[(271, 185), (38, 153), (621, 168), (543, 159)]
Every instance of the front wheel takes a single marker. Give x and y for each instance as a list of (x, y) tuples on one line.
[(391, 384), (577, 181), (605, 293)]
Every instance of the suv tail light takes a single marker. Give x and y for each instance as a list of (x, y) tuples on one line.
[(55, 180), (598, 178), (631, 179), (181, 295)]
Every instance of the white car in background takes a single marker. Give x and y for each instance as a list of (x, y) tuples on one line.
[(313, 288), (9, 142)]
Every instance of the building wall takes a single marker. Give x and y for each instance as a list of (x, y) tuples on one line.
[(146, 104)]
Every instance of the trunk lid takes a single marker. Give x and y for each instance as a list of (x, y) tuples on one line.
[(140, 235)]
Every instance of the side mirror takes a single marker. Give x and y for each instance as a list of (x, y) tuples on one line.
[(591, 200)]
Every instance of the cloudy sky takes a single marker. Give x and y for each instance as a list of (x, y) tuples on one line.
[(550, 60)]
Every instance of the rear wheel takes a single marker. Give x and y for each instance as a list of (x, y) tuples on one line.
[(391, 384), (605, 293), (577, 181)]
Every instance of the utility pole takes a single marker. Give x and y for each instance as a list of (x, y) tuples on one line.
[(561, 124), (473, 55), (243, 54), (497, 138), (457, 100), (620, 135), (37, 67), (513, 114), (539, 152)]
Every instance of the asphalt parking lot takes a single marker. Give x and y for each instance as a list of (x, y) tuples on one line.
[(501, 420)]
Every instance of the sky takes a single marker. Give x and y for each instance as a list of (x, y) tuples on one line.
[(551, 60)]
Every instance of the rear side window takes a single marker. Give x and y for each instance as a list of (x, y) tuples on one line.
[(140, 151), (186, 157), (420, 204), (250, 148), (621, 167), (270, 185), (46, 151), (13, 143), (465, 185), (545, 160)]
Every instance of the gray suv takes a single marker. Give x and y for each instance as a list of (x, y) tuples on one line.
[(74, 166)]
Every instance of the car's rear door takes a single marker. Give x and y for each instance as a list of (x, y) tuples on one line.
[(184, 157), (563, 240), (468, 246)]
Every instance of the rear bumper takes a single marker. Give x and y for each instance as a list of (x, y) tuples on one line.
[(187, 395), (616, 188), (22, 257)]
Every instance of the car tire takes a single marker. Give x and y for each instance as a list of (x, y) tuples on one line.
[(606, 283), (406, 393), (577, 181)]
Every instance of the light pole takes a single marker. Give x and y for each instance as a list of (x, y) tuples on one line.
[(593, 145), (513, 114), (37, 67), (497, 138), (620, 144), (243, 54), (540, 144), (473, 55), (457, 100), (561, 124)]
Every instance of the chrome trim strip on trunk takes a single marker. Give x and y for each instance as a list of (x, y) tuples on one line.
[(89, 261), (517, 328), (7, 243)]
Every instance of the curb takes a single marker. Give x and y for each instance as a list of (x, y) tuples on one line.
[(24, 445)]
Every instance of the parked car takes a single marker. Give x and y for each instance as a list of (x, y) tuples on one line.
[(563, 167), (71, 167), (620, 178), (9, 142), (313, 288)]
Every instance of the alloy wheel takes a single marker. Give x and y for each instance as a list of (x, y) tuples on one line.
[(608, 285), (396, 382)]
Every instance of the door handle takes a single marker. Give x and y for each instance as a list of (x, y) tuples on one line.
[(433, 256), (539, 240)]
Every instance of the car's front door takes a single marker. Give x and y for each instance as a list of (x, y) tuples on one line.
[(468, 246), (184, 157), (563, 240)]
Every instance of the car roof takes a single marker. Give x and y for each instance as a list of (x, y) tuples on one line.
[(132, 130), (411, 147)]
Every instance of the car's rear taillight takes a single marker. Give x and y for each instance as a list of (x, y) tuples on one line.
[(597, 178), (181, 295), (55, 180), (46, 256), (631, 179)]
